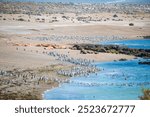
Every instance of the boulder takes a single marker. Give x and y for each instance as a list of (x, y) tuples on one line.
[(115, 15), (131, 24), (78, 47), (122, 59)]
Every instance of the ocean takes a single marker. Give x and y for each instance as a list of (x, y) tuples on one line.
[(137, 43), (120, 80)]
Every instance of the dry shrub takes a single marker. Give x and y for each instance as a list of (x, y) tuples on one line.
[(146, 94)]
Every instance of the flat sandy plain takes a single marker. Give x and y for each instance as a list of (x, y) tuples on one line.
[(23, 53)]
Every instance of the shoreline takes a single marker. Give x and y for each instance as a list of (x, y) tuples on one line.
[(41, 91), (47, 87), (36, 44), (126, 58)]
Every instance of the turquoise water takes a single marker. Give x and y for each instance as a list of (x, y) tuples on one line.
[(121, 80), (139, 44)]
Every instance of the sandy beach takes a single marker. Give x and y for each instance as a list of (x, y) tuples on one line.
[(35, 48)]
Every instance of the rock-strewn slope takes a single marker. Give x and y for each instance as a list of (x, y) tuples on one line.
[(91, 48)]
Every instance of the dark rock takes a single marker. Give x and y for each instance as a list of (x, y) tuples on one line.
[(78, 47), (144, 53), (21, 19), (131, 24), (89, 52), (95, 52), (122, 59), (101, 49), (146, 37), (83, 51), (145, 62), (115, 15)]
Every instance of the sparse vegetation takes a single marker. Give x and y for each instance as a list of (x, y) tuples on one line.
[(131, 24), (43, 19), (115, 15), (65, 17), (146, 94), (37, 19), (21, 19), (50, 8), (19, 96)]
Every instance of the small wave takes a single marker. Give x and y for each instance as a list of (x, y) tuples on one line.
[(92, 84), (116, 1)]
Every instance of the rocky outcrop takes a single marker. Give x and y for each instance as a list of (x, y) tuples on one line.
[(145, 62), (83, 51), (146, 37), (131, 24), (145, 53), (122, 59)]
